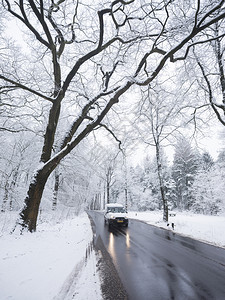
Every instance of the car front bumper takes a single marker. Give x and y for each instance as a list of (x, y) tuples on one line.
[(118, 221)]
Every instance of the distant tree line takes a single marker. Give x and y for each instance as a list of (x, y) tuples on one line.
[(193, 182)]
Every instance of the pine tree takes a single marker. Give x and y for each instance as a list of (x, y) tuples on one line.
[(207, 161), (184, 169), (208, 187)]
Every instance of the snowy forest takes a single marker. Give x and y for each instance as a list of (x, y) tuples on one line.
[(94, 98)]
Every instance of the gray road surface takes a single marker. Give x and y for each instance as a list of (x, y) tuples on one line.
[(157, 264)]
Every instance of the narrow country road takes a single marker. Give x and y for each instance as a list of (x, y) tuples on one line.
[(157, 264)]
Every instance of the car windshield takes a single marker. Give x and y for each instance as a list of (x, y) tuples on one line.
[(116, 209)]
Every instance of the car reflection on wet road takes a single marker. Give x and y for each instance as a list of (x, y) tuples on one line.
[(154, 263)]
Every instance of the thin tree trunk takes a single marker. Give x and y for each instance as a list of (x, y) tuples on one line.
[(56, 190), (104, 202), (107, 192), (6, 196), (219, 54), (13, 185), (161, 184)]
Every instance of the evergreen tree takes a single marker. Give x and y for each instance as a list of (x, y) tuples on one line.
[(208, 187), (207, 161), (184, 169), (221, 158)]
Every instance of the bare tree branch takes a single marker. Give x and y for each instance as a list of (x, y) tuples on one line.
[(19, 85), (211, 94)]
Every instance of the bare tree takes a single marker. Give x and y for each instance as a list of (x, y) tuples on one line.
[(15, 167), (92, 55), (211, 78), (160, 121)]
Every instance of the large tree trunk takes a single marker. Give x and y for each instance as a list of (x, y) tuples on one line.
[(29, 214)]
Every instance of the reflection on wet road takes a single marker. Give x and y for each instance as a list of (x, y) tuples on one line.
[(111, 245), (158, 264)]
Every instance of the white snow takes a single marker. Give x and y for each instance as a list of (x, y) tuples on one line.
[(48, 264), (209, 229), (58, 261)]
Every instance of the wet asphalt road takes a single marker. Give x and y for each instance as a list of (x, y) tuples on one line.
[(157, 264)]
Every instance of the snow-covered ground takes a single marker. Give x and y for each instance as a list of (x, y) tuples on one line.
[(206, 228), (58, 262)]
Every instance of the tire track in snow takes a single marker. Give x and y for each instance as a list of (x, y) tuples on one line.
[(83, 282)]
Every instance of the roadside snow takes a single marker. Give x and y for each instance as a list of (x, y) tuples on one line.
[(58, 261), (206, 228), (39, 266)]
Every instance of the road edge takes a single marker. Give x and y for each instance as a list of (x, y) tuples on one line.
[(111, 285)]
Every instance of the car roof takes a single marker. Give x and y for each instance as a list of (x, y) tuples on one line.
[(114, 205)]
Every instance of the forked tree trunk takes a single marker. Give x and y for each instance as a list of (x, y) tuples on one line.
[(29, 214)]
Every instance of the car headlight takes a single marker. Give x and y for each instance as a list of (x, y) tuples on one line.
[(112, 217)]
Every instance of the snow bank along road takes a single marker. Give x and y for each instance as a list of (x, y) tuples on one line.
[(155, 263)]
